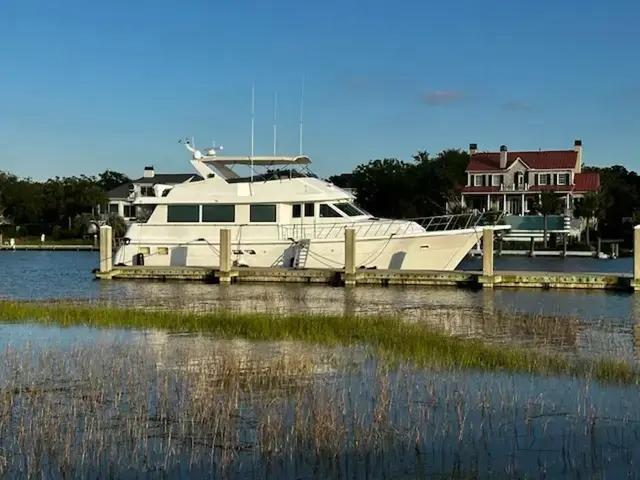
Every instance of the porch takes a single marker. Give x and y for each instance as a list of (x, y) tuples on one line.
[(517, 203)]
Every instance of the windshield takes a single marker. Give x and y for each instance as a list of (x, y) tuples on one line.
[(349, 209)]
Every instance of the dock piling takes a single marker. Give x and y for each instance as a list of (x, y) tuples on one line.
[(106, 249), (636, 257), (487, 256), (349, 256), (225, 255)]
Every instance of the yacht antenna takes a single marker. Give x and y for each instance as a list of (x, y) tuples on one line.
[(301, 112), (275, 123), (253, 107)]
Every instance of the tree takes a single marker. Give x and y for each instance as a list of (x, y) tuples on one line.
[(118, 225), (108, 180), (590, 206), (549, 205)]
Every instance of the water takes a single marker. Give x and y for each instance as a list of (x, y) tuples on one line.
[(141, 404), (80, 402), (607, 320)]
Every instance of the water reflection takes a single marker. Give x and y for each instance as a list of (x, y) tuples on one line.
[(194, 406), (606, 320)]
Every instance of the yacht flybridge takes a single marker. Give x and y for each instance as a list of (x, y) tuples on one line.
[(284, 217)]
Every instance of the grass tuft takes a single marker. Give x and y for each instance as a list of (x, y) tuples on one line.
[(391, 336)]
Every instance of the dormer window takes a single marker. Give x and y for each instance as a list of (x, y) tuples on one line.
[(563, 179), (478, 180)]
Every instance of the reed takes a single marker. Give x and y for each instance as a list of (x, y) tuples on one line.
[(388, 335), (110, 409)]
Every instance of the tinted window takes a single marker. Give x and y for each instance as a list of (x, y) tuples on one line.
[(296, 210), (309, 209), (218, 213), (349, 209), (183, 213), (326, 211), (113, 208), (262, 213)]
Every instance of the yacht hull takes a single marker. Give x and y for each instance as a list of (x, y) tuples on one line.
[(440, 250)]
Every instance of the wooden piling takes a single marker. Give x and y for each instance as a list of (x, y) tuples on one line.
[(349, 256), (106, 249), (225, 255), (636, 256)]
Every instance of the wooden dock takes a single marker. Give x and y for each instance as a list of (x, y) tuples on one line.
[(350, 275), (466, 279), (50, 247)]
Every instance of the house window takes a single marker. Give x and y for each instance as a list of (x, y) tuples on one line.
[(543, 179), (478, 180), (113, 208), (296, 210), (496, 180), (183, 213), (262, 213), (219, 213), (327, 212), (309, 209), (147, 191), (129, 211), (563, 179)]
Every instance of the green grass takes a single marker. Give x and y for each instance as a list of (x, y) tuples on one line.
[(390, 336)]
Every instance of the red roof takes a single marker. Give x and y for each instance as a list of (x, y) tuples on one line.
[(542, 160), (583, 182), (586, 182)]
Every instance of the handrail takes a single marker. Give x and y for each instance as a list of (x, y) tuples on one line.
[(386, 227)]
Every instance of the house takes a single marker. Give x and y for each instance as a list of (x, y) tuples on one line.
[(512, 181), (120, 198)]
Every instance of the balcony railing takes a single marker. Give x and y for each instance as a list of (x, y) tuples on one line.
[(514, 187)]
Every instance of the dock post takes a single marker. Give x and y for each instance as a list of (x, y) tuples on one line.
[(106, 249), (500, 246), (532, 247), (635, 283), (487, 257), (225, 255), (565, 240), (349, 256)]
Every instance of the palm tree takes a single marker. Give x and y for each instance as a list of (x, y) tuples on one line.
[(590, 206), (117, 223), (549, 205)]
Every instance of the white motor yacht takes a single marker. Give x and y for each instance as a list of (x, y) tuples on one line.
[(284, 217)]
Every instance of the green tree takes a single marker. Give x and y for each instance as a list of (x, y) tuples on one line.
[(108, 180), (549, 205), (118, 225), (590, 206)]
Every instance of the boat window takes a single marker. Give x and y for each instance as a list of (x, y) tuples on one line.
[(327, 212), (219, 213), (309, 209), (183, 213), (262, 213), (296, 210), (349, 209)]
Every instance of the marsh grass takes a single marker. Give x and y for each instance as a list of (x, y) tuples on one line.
[(390, 336), (113, 410)]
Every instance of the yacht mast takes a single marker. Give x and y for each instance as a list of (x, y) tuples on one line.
[(253, 106), (301, 112), (275, 123)]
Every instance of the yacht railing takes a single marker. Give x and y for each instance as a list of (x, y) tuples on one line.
[(383, 228)]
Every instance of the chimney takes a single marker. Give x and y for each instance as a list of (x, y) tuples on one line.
[(503, 157), (577, 146), (149, 172), (473, 148)]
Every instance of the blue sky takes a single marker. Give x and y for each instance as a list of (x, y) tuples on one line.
[(86, 86)]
